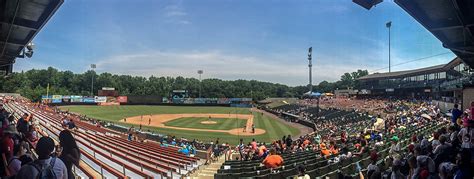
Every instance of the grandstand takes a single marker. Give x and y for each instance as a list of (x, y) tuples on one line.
[(399, 118), (107, 153)]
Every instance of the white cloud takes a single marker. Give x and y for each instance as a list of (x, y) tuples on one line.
[(176, 14), (219, 65)]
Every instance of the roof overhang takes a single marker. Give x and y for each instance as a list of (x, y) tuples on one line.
[(408, 73), (20, 21), (451, 21)]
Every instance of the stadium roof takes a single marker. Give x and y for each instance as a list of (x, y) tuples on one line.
[(451, 21), (20, 21), (407, 73)]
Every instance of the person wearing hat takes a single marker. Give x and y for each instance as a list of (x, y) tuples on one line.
[(8, 142), (372, 167), (395, 147), (6, 148), (44, 149), (324, 150)]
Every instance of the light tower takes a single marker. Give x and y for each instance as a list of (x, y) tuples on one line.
[(200, 72), (310, 51), (93, 66), (389, 25)]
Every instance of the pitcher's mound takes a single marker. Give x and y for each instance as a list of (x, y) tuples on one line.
[(239, 131), (208, 122)]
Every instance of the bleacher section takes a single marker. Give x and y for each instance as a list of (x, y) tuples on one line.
[(319, 167), (109, 154)]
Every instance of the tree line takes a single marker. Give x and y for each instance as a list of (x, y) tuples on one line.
[(33, 83)]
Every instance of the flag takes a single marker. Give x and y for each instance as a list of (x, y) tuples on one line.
[(389, 24)]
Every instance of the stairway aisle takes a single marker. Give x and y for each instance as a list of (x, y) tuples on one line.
[(208, 171)]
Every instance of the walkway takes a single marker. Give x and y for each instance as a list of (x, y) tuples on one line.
[(208, 171)]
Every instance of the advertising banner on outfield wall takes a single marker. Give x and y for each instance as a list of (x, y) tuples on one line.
[(122, 99), (66, 99), (76, 99), (88, 99), (57, 99), (46, 99), (100, 99)]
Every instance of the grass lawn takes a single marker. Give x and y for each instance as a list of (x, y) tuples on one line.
[(195, 122), (274, 128)]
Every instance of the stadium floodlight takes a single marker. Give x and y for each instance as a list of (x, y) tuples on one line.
[(93, 66), (29, 53), (310, 57), (200, 72), (30, 46), (389, 25), (367, 4)]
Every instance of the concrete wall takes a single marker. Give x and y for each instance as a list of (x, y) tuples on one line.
[(467, 97), (443, 106)]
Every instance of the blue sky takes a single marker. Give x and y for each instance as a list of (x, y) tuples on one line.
[(231, 39)]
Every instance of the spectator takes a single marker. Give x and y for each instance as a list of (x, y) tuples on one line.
[(325, 152), (442, 147), (456, 113), (373, 165), (45, 165), (32, 135), (22, 124), (70, 153), (254, 144), (395, 147), (8, 142), (425, 165), (446, 170), (71, 125), (273, 160), (3, 122), (14, 164), (6, 149), (412, 164), (363, 148), (302, 173), (396, 166), (288, 141), (184, 150), (65, 122), (464, 165), (466, 136)]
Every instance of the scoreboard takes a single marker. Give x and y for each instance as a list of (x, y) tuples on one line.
[(107, 91)]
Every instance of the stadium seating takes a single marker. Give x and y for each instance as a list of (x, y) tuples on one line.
[(110, 154), (319, 167)]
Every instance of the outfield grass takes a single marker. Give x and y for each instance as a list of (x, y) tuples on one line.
[(195, 122), (274, 128)]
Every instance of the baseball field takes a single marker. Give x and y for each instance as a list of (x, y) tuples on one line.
[(203, 123)]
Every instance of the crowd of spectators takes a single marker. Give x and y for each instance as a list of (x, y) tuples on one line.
[(446, 153), (27, 152)]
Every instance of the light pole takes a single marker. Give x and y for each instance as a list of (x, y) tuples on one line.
[(389, 25), (310, 51), (93, 66), (200, 73)]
